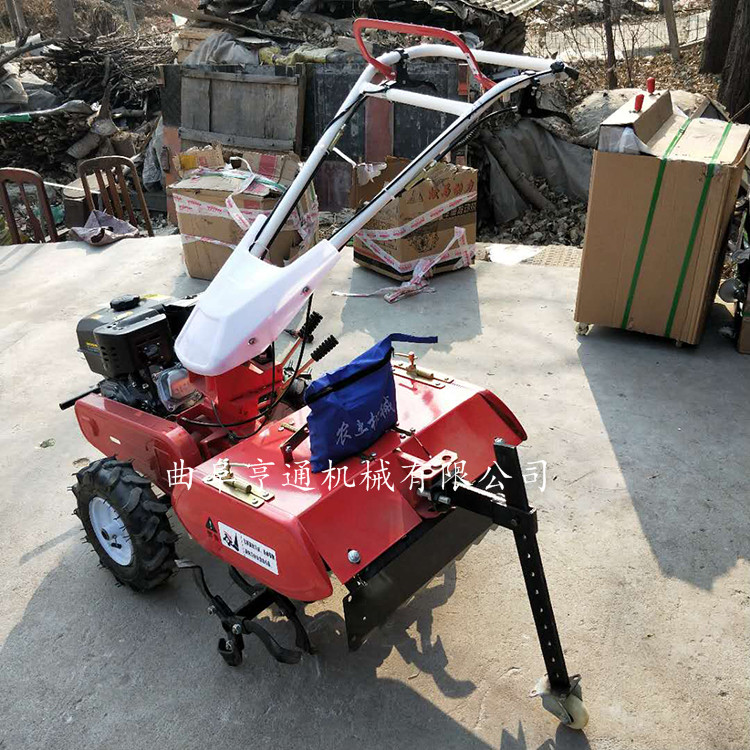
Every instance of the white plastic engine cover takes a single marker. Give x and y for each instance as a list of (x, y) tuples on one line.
[(247, 306)]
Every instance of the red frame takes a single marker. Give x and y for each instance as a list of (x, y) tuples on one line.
[(316, 526)]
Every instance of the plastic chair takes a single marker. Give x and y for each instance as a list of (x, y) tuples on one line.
[(110, 176), (24, 178)]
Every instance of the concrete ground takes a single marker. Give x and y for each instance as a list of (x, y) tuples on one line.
[(644, 529)]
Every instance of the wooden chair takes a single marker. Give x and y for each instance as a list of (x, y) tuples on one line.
[(110, 176), (24, 178)]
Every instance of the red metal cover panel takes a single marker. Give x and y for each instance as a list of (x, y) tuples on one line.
[(336, 517), (458, 417), (365, 506), (267, 543), (154, 444)]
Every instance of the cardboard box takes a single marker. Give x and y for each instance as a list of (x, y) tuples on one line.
[(657, 218), (210, 232), (448, 191), (210, 156)]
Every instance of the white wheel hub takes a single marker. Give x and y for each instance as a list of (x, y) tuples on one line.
[(110, 530)]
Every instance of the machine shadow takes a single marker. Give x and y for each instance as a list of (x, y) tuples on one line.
[(565, 739), (114, 655), (155, 654), (426, 313), (675, 421), (423, 652)]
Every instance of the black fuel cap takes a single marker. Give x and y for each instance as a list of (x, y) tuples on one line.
[(126, 302)]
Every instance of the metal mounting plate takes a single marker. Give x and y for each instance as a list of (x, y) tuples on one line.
[(243, 490), (420, 557), (435, 379)]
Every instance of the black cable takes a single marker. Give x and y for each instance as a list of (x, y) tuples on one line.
[(292, 379), (460, 141), (530, 78), (233, 437), (463, 140), (263, 412)]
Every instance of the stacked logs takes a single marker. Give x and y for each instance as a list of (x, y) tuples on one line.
[(41, 142), (127, 62)]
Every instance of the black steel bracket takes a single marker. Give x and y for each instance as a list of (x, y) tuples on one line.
[(461, 494), (529, 107), (513, 511), (240, 622)]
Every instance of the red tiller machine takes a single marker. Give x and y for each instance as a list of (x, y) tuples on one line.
[(197, 401)]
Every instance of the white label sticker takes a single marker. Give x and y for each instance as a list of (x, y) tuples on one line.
[(249, 548)]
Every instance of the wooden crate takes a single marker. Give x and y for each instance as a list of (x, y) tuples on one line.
[(262, 110)]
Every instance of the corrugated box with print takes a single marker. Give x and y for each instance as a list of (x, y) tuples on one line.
[(662, 191), (436, 217), (216, 206)]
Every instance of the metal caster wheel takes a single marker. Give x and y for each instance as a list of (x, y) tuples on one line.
[(583, 329), (566, 705), (577, 711)]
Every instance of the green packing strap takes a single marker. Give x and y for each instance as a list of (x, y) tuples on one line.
[(18, 117), (649, 221), (694, 229)]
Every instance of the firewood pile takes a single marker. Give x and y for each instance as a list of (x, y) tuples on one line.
[(41, 142), (84, 67)]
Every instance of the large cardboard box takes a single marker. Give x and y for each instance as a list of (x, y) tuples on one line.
[(657, 218), (420, 223), (211, 227)]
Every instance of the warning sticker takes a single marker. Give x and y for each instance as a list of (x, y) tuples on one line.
[(249, 548)]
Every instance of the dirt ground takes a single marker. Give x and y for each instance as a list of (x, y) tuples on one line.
[(643, 527)]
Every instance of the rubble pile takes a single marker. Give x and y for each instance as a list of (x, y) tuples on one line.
[(320, 21), (89, 96), (563, 224), (561, 14)]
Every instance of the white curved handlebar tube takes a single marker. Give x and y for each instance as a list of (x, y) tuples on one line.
[(250, 302)]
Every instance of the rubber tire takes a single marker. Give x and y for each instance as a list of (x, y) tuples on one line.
[(144, 516)]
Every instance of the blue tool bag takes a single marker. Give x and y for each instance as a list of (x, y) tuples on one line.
[(351, 407)]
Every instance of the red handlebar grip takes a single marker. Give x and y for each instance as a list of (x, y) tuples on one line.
[(411, 28)]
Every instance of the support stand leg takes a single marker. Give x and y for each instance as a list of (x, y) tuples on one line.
[(560, 694)]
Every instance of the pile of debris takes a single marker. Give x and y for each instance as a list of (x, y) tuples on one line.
[(319, 21), (563, 223), (40, 141), (79, 97), (562, 14), (634, 72)]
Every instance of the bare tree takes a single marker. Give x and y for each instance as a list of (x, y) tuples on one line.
[(610, 43), (66, 17), (674, 42), (734, 91), (718, 34), (17, 21)]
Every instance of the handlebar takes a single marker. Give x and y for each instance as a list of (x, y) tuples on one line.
[(396, 27)]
